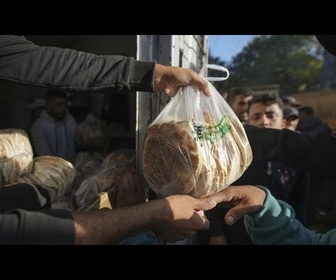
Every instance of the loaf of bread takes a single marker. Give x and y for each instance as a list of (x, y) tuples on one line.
[(16, 155), (53, 173), (194, 159)]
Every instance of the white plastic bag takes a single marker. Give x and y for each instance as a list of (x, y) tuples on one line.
[(195, 146)]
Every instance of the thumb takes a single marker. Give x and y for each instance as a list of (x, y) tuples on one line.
[(233, 215)]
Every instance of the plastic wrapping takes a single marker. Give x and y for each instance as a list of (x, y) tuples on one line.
[(124, 181), (89, 133), (116, 175), (53, 173), (195, 146), (16, 155)]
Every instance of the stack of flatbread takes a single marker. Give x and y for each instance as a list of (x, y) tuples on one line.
[(53, 173), (16, 155), (195, 159)]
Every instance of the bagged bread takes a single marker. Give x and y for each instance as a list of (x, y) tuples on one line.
[(86, 165), (89, 133), (122, 183), (195, 146), (121, 156), (16, 155), (53, 173)]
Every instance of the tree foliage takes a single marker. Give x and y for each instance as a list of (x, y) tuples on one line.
[(292, 61)]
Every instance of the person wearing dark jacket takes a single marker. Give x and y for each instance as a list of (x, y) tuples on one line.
[(175, 217), (309, 122), (285, 181)]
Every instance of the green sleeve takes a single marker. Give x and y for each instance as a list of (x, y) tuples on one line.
[(275, 224)]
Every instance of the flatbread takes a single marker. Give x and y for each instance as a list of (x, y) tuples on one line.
[(178, 159), (16, 155)]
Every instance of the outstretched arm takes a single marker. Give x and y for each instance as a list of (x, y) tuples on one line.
[(24, 62), (174, 218), (268, 221)]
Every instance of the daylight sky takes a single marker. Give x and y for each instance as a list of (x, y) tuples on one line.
[(227, 46)]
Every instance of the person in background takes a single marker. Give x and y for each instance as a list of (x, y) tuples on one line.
[(224, 93), (53, 133), (285, 182), (174, 217), (238, 99), (290, 102), (291, 116), (308, 121), (323, 194)]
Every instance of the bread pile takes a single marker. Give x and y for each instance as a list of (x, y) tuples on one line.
[(195, 159), (122, 181), (89, 133), (53, 173), (121, 156), (16, 155), (96, 174)]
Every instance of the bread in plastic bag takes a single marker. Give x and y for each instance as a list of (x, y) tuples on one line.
[(52, 173), (16, 155), (124, 180), (89, 133), (195, 146)]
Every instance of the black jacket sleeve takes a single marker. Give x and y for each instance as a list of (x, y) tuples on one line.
[(24, 62), (314, 151), (48, 227)]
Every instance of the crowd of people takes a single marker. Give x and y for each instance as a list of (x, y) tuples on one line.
[(291, 151)]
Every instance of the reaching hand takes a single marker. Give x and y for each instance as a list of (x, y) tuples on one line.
[(245, 200), (168, 80), (185, 217)]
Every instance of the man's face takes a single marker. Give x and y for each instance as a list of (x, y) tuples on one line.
[(57, 108), (270, 116), (240, 107)]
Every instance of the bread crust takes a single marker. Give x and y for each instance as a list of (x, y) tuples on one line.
[(176, 161)]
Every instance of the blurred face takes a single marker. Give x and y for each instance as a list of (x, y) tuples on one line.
[(240, 107), (270, 116), (292, 123), (57, 108)]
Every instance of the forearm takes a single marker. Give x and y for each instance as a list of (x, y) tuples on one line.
[(107, 226), (275, 224), (24, 62)]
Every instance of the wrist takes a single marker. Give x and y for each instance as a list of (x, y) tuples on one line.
[(159, 213), (157, 78)]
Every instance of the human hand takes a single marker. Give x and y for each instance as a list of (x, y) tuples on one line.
[(168, 79), (245, 200), (184, 217)]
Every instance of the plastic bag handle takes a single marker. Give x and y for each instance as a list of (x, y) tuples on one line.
[(203, 72)]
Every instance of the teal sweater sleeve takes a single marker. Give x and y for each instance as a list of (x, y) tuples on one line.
[(275, 224)]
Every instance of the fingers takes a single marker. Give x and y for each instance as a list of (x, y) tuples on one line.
[(232, 216), (223, 196), (202, 84), (205, 203), (169, 79), (238, 211), (206, 222)]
